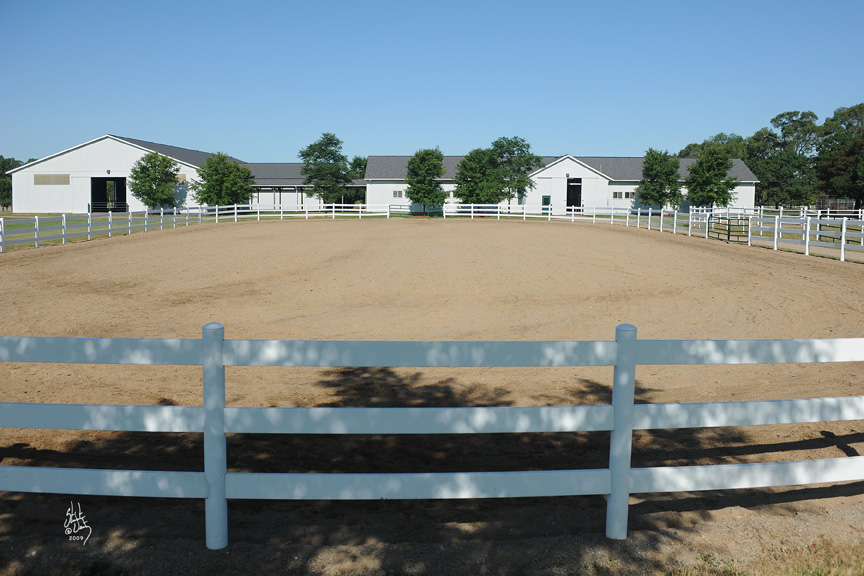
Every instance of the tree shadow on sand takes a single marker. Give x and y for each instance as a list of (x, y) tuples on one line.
[(501, 536)]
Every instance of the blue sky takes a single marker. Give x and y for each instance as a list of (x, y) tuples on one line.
[(261, 80)]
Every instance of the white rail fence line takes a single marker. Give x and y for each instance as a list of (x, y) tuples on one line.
[(792, 227), (215, 484)]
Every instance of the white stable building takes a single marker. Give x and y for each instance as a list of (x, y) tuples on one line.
[(562, 182), (94, 176)]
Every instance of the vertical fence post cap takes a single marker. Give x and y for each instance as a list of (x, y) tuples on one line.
[(214, 326), (625, 328)]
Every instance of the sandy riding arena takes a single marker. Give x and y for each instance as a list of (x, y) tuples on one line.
[(421, 279)]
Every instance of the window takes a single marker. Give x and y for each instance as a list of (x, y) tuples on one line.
[(397, 193), (628, 195), (51, 179)]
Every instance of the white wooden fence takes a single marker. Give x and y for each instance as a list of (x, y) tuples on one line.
[(213, 352), (840, 230)]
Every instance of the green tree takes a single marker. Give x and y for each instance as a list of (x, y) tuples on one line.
[(326, 169), (478, 180), (7, 164), (425, 170), (515, 162), (841, 155), (153, 178), (708, 182), (661, 181), (222, 182), (784, 160), (357, 168), (734, 145)]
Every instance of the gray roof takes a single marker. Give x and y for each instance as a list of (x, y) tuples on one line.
[(616, 168), (193, 157), (281, 174)]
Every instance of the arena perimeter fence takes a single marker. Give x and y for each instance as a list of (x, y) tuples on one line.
[(839, 229), (215, 484)]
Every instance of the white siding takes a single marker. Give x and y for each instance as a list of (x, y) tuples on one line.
[(101, 158)]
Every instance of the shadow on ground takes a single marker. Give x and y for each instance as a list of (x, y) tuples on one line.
[(508, 536)]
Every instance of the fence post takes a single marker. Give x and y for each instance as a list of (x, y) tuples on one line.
[(175, 216), (621, 443), (749, 233), (649, 218), (807, 237), (89, 226), (110, 224), (776, 230), (707, 224), (258, 208), (63, 225), (843, 239), (2, 237), (628, 217), (215, 452), (690, 223), (130, 222), (217, 214), (235, 212), (661, 220), (674, 222), (161, 218), (146, 219)]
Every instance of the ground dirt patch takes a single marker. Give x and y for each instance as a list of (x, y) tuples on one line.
[(426, 280)]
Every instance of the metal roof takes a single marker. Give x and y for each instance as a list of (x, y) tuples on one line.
[(622, 169), (185, 155)]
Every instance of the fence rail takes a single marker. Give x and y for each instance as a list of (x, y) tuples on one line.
[(765, 226), (215, 484)]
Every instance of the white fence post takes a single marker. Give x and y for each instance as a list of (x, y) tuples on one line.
[(807, 237), (776, 229), (161, 218), (130, 222), (215, 451), (661, 220), (2, 237), (146, 219), (675, 222), (89, 226), (175, 216), (621, 443), (36, 230), (63, 224), (749, 230), (843, 239), (638, 218), (110, 224), (235, 212), (649, 218)]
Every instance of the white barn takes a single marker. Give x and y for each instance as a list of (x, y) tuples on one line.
[(94, 176), (562, 181)]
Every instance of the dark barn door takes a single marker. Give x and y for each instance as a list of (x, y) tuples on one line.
[(108, 194), (574, 192)]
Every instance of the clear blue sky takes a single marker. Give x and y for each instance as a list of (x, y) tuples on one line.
[(261, 80)]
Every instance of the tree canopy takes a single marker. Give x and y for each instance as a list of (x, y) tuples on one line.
[(425, 169), (477, 178), (222, 182), (7, 164), (708, 183), (515, 162), (661, 181), (152, 180), (498, 173), (326, 169), (841, 155)]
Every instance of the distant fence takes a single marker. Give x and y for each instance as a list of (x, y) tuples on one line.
[(215, 484), (842, 230)]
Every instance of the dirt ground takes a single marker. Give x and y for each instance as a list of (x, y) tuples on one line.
[(423, 279)]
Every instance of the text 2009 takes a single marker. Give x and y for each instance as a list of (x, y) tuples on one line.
[(76, 537)]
